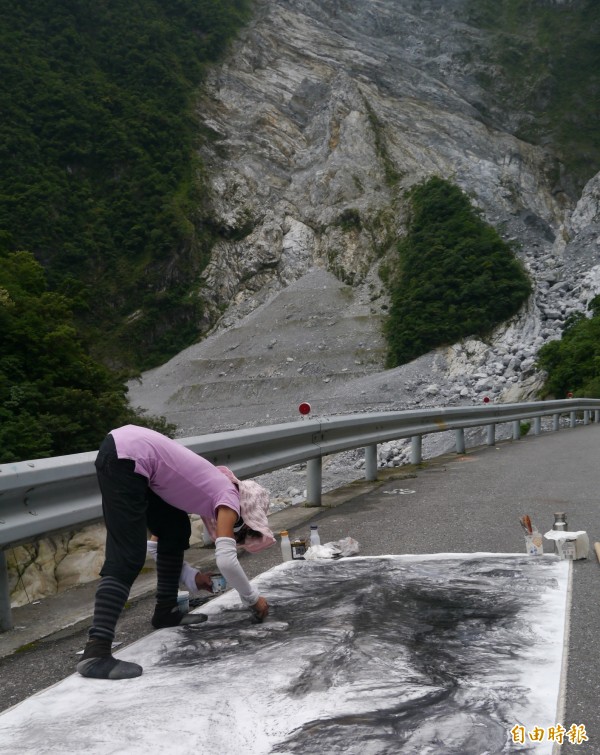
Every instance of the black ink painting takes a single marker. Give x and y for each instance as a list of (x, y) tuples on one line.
[(420, 655)]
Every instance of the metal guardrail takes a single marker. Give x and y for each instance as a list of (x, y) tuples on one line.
[(42, 496)]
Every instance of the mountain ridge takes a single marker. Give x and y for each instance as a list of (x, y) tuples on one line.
[(323, 117)]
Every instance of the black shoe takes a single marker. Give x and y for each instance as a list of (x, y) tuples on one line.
[(172, 617), (98, 662), (108, 668)]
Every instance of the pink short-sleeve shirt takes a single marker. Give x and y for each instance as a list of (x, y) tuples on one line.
[(179, 476)]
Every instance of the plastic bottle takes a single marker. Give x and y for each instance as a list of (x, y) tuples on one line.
[(286, 546), (314, 535), (560, 524)]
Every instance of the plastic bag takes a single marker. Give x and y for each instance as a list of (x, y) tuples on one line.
[(338, 549), (580, 539)]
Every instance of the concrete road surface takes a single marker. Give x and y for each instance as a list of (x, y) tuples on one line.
[(461, 504)]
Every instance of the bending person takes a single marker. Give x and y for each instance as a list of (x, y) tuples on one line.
[(149, 481)]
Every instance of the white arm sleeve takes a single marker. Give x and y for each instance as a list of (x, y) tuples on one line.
[(229, 566)]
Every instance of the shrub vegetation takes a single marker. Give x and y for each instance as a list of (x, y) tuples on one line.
[(99, 179), (455, 277), (54, 398), (573, 363)]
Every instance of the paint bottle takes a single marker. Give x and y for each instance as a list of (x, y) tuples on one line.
[(286, 547), (560, 524), (298, 549), (314, 535)]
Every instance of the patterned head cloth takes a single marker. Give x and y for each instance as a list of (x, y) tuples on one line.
[(254, 507)]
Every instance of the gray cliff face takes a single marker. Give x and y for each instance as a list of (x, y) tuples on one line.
[(322, 116), (325, 108)]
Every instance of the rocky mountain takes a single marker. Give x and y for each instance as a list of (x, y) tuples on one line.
[(319, 120), (321, 117)]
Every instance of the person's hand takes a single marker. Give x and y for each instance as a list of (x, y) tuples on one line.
[(204, 582), (261, 609)]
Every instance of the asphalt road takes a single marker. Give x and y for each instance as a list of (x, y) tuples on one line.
[(469, 503)]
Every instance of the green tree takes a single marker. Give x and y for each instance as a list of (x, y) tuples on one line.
[(100, 176), (573, 362), (455, 276), (54, 398)]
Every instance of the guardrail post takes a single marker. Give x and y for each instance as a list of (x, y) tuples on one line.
[(572, 415), (516, 427), (416, 446), (460, 440), (556, 422), (537, 425), (5, 615), (586, 417), (371, 462), (491, 435), (596, 415), (314, 473)]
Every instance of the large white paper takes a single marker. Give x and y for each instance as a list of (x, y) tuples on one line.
[(396, 654)]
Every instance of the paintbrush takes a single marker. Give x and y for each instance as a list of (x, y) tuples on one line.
[(232, 618), (526, 524)]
